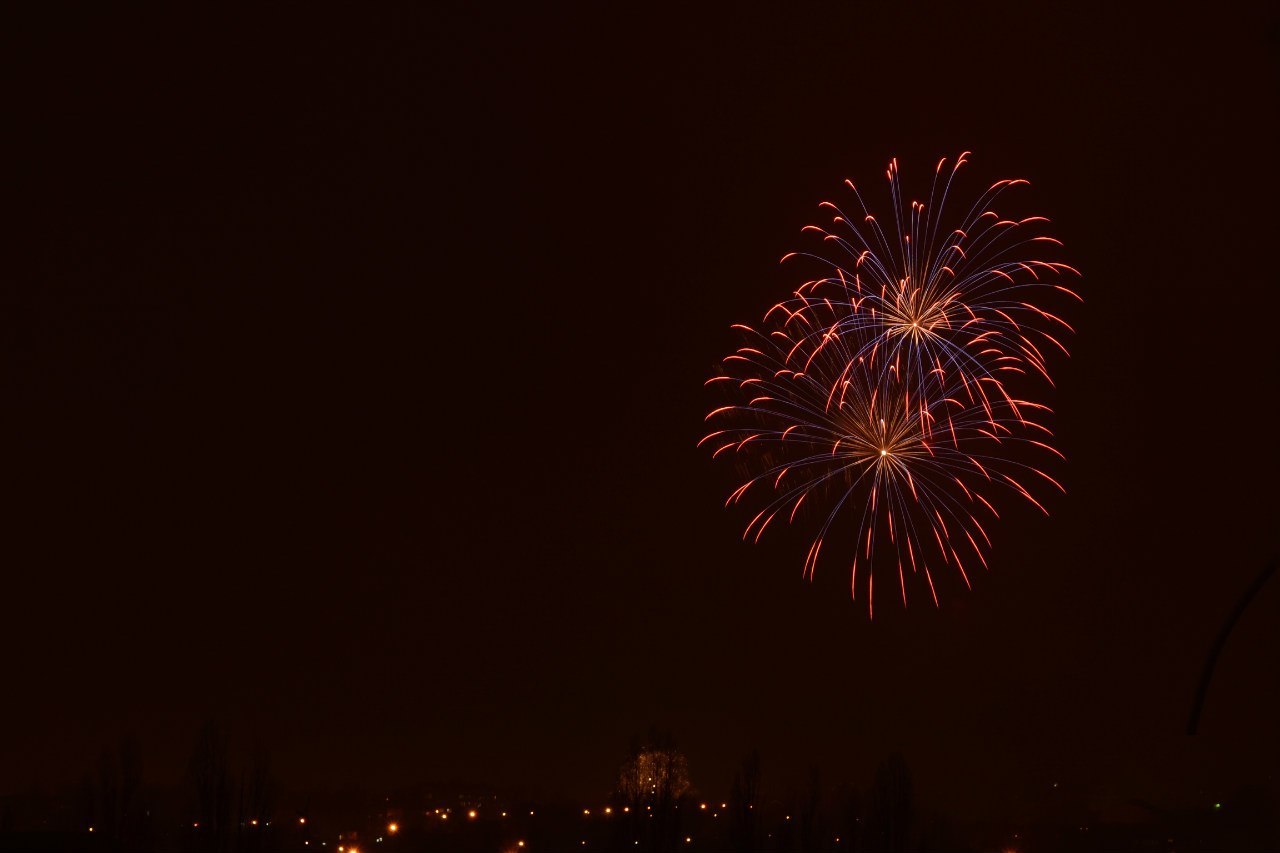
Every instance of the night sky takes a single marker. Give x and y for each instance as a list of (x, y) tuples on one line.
[(351, 371)]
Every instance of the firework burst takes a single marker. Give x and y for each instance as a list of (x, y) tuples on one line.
[(878, 398)]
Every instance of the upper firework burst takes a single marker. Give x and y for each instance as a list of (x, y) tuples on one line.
[(882, 391)]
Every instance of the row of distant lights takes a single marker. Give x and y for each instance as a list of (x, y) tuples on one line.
[(608, 810), (472, 814)]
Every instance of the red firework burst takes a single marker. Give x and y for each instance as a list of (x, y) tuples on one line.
[(881, 391)]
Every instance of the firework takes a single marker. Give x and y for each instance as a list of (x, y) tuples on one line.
[(879, 398)]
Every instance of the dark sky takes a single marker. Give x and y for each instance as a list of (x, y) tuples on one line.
[(351, 370)]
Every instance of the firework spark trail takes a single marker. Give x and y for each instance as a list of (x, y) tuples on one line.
[(879, 389)]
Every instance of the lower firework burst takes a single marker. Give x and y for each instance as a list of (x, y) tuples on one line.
[(831, 421)]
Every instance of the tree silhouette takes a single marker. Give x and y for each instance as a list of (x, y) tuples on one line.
[(132, 816), (651, 783), (810, 815), (108, 794), (212, 788), (890, 821), (744, 805), (257, 791)]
